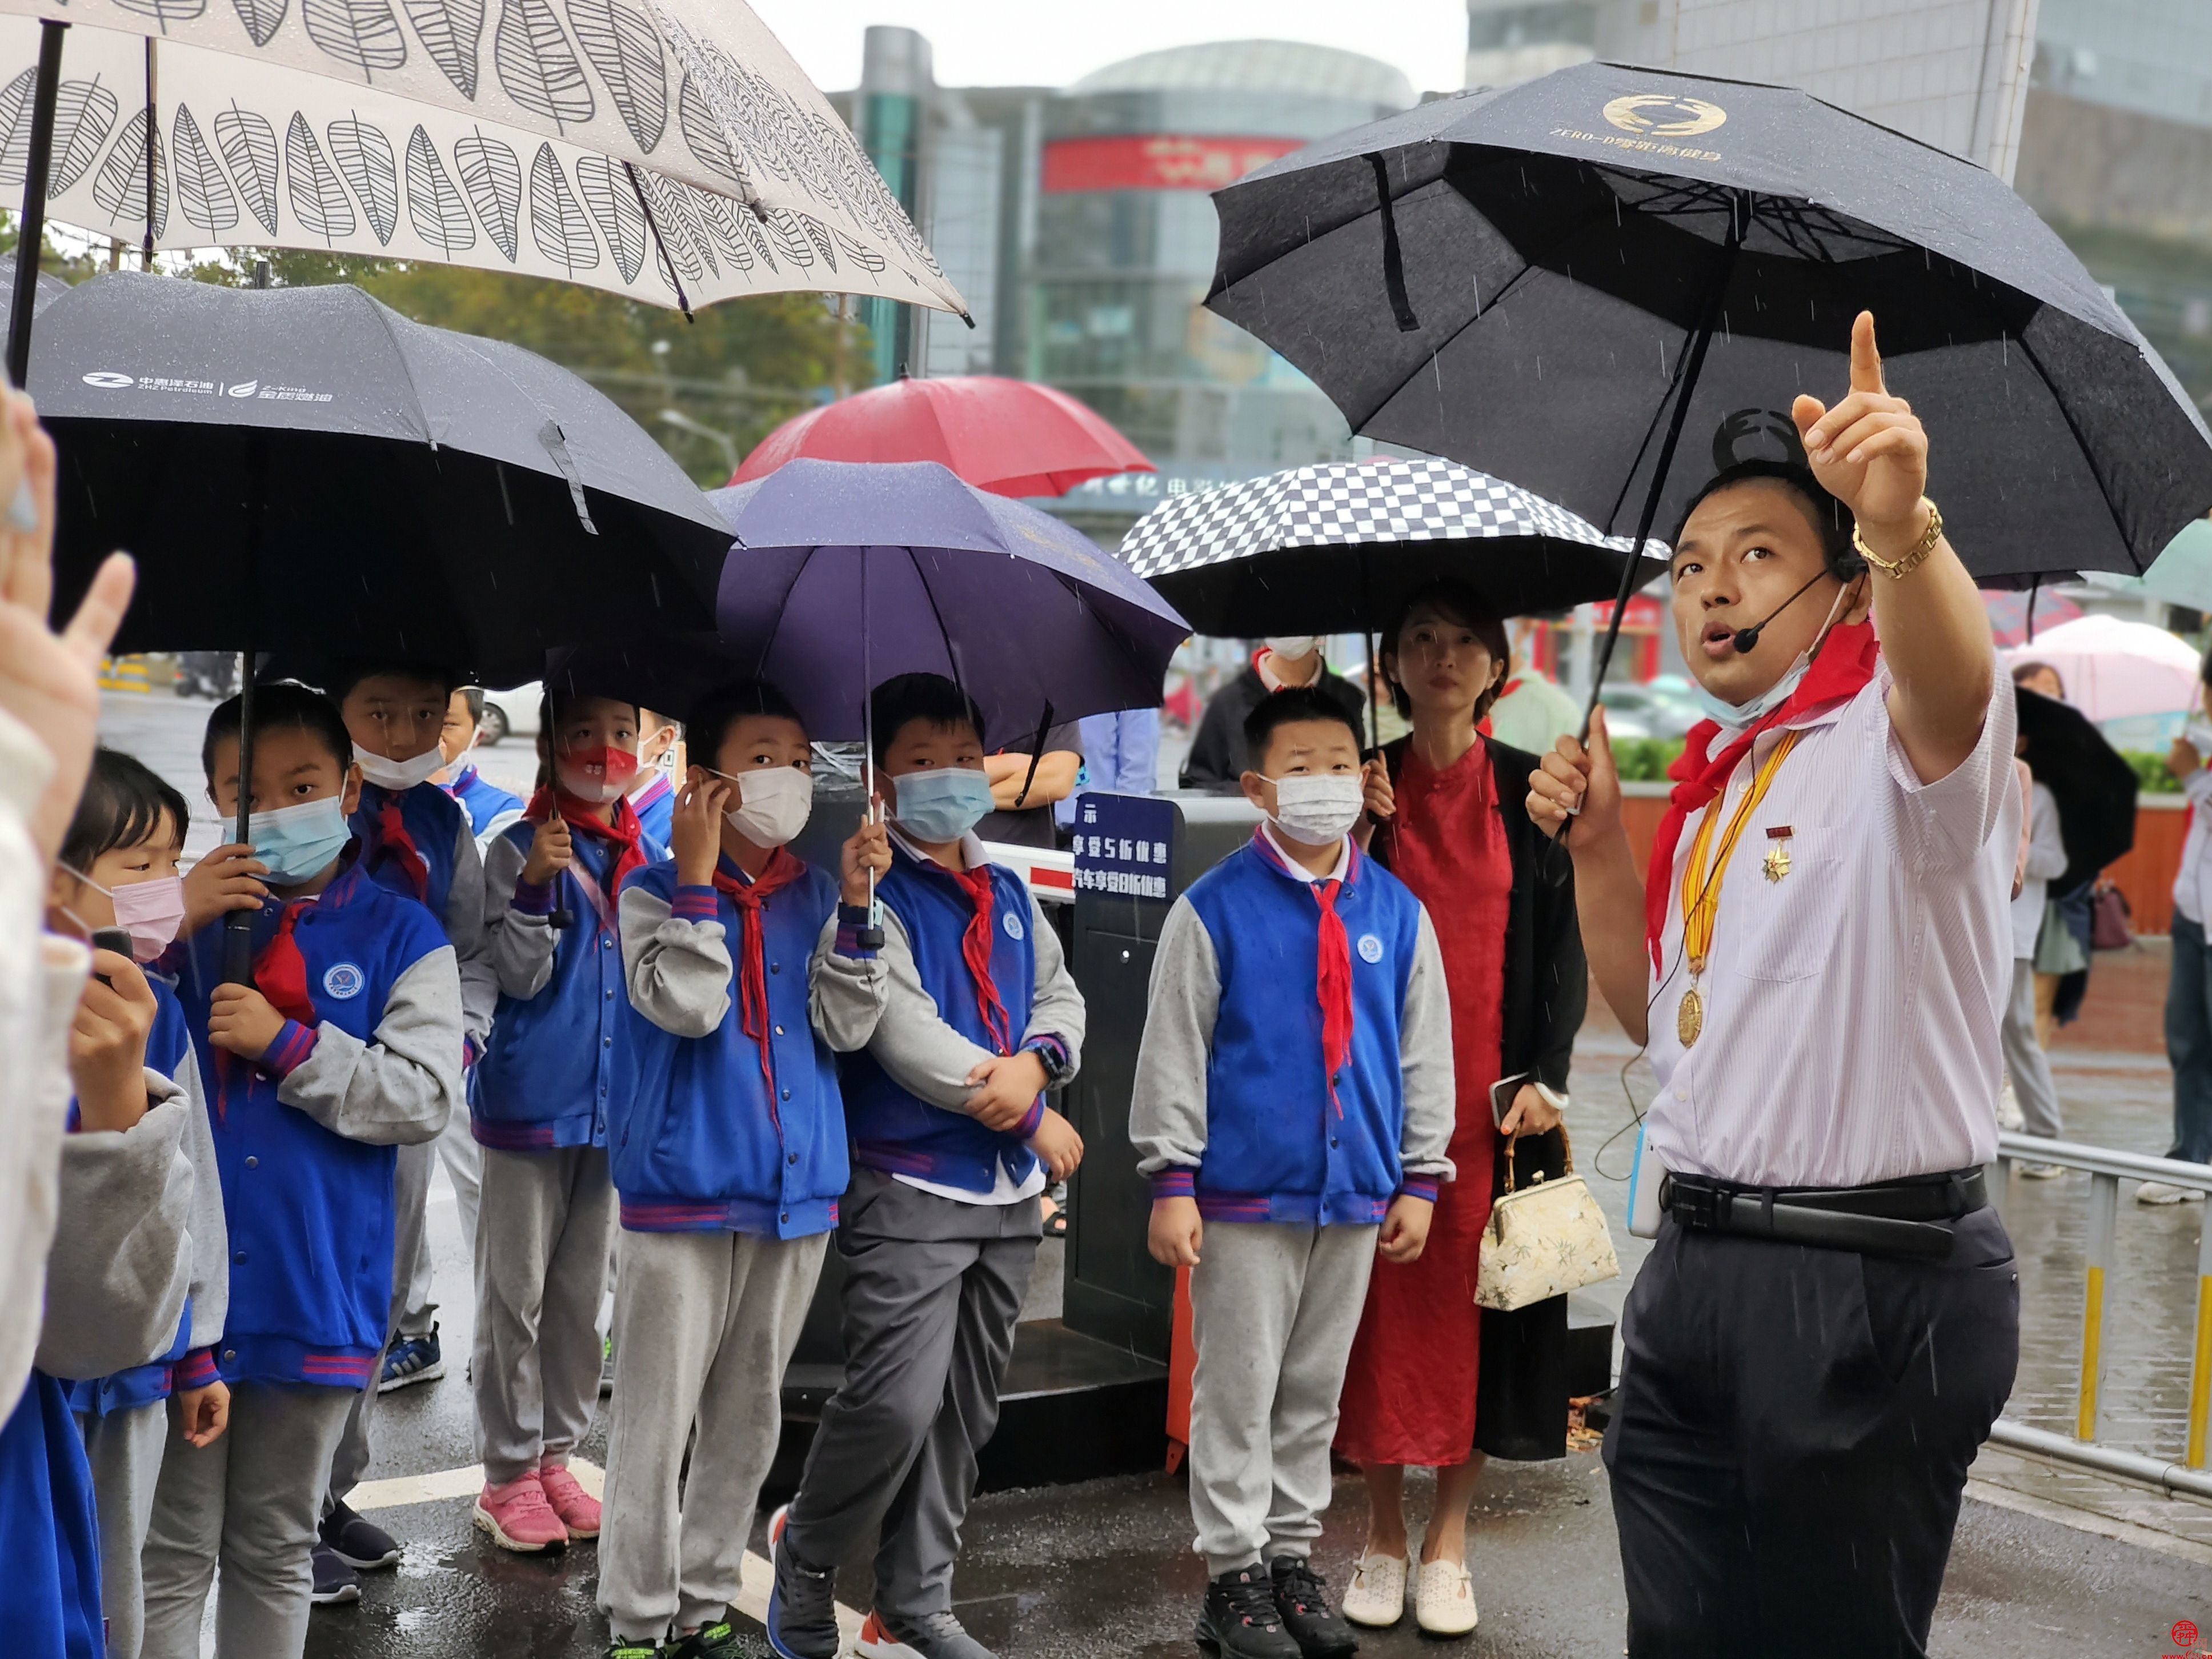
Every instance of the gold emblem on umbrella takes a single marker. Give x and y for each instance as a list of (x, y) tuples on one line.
[(1664, 115)]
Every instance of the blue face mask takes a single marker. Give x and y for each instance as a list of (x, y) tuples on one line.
[(943, 803), (298, 843), (1742, 716)]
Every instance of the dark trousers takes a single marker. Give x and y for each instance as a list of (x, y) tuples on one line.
[(1791, 1435), (932, 1288), (2189, 1042)]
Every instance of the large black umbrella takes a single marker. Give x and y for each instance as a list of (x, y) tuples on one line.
[(1563, 282), (2094, 784), (306, 471)]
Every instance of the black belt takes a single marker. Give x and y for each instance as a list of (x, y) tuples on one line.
[(1890, 1218)]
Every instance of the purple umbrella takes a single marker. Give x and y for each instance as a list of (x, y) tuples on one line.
[(847, 573)]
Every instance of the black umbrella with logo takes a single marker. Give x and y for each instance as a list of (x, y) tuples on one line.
[(1566, 282), (305, 471)]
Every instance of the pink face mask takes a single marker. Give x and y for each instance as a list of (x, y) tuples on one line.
[(601, 776), (149, 911)]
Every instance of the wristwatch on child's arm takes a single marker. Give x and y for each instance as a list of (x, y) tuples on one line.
[(1052, 1054)]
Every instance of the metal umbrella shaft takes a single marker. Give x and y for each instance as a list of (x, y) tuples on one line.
[(32, 227)]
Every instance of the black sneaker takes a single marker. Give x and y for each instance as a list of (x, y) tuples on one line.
[(932, 1636), (716, 1641), (1302, 1597), (361, 1544), (1239, 1620), (636, 1647), (802, 1604), (335, 1581)]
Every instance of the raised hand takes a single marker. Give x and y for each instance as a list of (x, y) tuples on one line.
[(227, 879), (869, 851), (1869, 452), (695, 831), (107, 1044), (550, 851)]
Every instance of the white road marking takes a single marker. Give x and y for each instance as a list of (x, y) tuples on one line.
[(446, 1485)]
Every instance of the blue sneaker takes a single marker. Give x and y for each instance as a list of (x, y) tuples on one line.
[(412, 1359), (802, 1606)]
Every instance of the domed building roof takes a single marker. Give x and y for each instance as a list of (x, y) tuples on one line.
[(1273, 66)]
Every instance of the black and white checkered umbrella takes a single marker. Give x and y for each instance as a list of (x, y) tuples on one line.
[(1335, 547)]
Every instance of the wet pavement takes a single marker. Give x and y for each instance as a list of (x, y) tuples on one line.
[(2047, 1561)]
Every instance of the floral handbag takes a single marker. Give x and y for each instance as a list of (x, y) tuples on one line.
[(1544, 1240)]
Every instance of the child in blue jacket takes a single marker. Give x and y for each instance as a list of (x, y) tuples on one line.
[(416, 840), (563, 1059), (491, 808), (944, 1089), (132, 1253), (346, 1046), (1292, 1106), (119, 869), (729, 1158)]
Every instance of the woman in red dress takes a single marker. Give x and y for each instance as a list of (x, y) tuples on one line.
[(1434, 1381)]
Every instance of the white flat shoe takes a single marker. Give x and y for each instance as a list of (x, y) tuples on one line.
[(2160, 1191), (1444, 1602), (1377, 1597)]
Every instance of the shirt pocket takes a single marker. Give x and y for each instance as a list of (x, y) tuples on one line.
[(1784, 929)]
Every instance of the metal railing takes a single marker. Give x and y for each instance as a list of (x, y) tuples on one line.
[(2107, 1168)]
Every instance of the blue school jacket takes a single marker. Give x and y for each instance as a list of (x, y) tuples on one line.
[(49, 1534), (310, 1213), (435, 822), (557, 1063), (700, 1146), (894, 1130), (169, 1051), (481, 800), (655, 806), (1276, 1150)]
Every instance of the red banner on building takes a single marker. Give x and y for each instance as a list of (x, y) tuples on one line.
[(1158, 162)]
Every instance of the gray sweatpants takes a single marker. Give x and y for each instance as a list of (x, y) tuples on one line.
[(1273, 1310), (543, 1232), (932, 1288), (457, 1151), (410, 1196), (704, 1325), (250, 1501), (124, 1450), (2024, 1057)]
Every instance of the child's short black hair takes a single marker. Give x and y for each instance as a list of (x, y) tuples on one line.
[(713, 715), (1283, 707), (353, 671), (473, 696), (123, 804), (284, 706), (898, 703)]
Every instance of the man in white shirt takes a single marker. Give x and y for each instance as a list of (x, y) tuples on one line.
[(2024, 1061), (2189, 986), (1829, 1321)]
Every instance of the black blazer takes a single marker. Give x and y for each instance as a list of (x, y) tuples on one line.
[(1546, 976), (1521, 1398)]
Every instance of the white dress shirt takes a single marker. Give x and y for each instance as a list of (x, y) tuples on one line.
[(2192, 883), (1852, 1007)]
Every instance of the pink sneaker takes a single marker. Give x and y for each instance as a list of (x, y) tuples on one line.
[(578, 1510), (518, 1517)]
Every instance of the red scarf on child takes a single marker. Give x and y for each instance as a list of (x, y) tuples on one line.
[(625, 832), (1841, 669), (975, 951), (279, 972), (1332, 966), (394, 845), (781, 870)]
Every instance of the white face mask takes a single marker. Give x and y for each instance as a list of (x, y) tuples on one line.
[(773, 804), (400, 775), (1317, 811), (1292, 646)]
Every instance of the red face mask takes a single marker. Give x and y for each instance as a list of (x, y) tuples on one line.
[(602, 776)]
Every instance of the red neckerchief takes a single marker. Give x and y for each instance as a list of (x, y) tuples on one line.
[(279, 972), (625, 832), (781, 870), (1332, 965), (395, 846), (975, 951), (1841, 668)]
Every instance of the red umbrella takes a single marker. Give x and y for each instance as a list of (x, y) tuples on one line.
[(1011, 437)]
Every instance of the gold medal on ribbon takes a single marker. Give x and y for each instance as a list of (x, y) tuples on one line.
[(1701, 891)]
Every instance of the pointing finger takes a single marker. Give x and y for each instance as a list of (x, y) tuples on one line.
[(1866, 362)]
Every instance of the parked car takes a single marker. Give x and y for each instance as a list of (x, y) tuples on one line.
[(512, 712), (1663, 707)]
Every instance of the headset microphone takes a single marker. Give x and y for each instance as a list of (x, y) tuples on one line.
[(1747, 639)]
